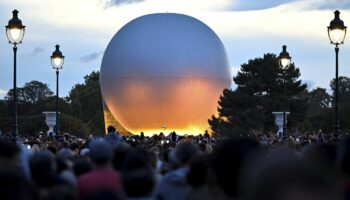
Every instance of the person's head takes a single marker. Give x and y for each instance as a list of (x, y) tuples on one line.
[(65, 154), (13, 185), (81, 166), (173, 136), (111, 129), (52, 149), (84, 152), (101, 152), (138, 175), (285, 176), (120, 153), (8, 152), (43, 168), (322, 155), (74, 147), (183, 153), (229, 157), (199, 168)]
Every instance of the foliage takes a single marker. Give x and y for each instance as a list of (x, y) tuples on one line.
[(86, 103), (73, 125), (246, 110), (318, 115), (343, 102), (260, 91), (32, 93), (81, 112)]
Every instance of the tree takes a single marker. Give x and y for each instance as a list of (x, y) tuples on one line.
[(32, 92), (319, 110), (34, 98), (86, 102), (81, 112), (248, 108), (343, 102)]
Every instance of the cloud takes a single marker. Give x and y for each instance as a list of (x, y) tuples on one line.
[(243, 5), (36, 51), (109, 3), (2, 93), (90, 57), (332, 4)]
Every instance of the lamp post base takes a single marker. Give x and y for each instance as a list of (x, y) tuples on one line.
[(50, 122), (279, 122)]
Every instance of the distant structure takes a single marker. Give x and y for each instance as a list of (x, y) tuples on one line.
[(111, 121), (164, 69)]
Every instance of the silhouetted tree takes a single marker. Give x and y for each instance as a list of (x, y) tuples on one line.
[(344, 102), (318, 115), (248, 109), (86, 102), (33, 99)]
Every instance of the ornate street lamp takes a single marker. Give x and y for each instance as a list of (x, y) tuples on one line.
[(336, 34), (284, 61), (15, 34), (57, 60)]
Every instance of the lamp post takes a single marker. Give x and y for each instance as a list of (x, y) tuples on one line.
[(336, 34), (57, 60), (284, 61), (15, 34)]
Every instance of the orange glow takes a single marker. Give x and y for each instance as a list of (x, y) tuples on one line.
[(154, 105)]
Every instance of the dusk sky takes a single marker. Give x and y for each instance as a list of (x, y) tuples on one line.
[(248, 29)]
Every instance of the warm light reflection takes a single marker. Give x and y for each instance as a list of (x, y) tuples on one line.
[(155, 105)]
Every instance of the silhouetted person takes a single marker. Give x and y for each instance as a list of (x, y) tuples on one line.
[(206, 134), (112, 136), (173, 185), (14, 186), (43, 170), (138, 175), (81, 166), (120, 153), (173, 137), (103, 177), (198, 178), (142, 136), (284, 176), (9, 152), (229, 157)]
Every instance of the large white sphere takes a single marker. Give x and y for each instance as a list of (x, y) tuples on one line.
[(164, 70)]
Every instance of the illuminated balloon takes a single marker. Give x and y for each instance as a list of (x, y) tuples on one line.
[(162, 71)]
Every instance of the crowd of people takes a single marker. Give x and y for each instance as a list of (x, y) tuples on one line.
[(174, 167)]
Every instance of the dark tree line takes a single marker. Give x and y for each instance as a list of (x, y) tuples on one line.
[(248, 108), (81, 111)]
